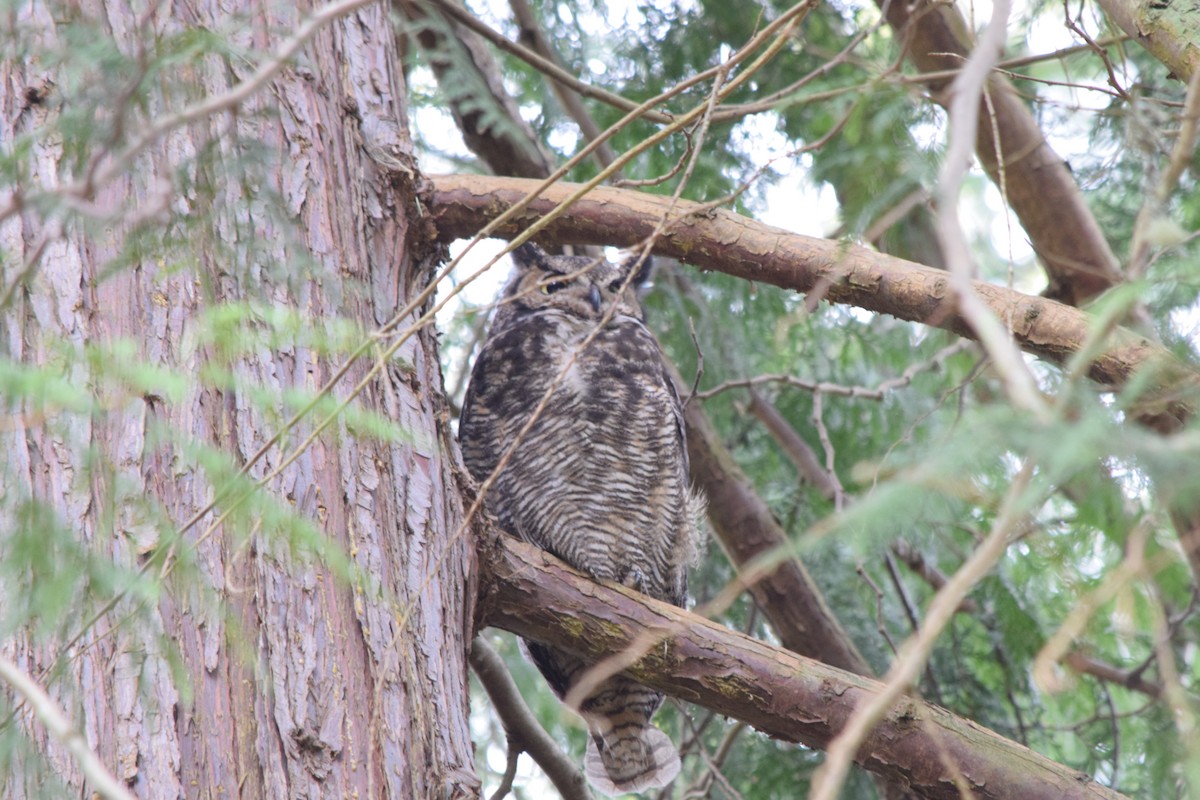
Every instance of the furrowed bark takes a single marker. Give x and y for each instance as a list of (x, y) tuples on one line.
[(252, 670), (787, 696)]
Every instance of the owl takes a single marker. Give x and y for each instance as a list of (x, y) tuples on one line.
[(598, 479)]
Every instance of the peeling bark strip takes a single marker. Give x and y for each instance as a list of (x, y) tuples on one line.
[(843, 273), (529, 592)]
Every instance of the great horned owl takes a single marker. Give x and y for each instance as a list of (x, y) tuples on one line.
[(600, 479)]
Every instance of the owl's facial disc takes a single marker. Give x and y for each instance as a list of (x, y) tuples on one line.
[(580, 287)]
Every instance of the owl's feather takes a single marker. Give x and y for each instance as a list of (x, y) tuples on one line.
[(599, 476)]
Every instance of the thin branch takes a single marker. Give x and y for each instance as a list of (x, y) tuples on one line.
[(966, 92), (510, 771), (879, 392), (931, 574), (485, 112), (531, 34), (64, 731), (1086, 665), (521, 726), (802, 456), (818, 419), (1135, 565), (758, 547), (545, 65)]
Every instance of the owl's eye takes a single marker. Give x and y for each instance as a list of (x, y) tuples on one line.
[(554, 286), (615, 286)]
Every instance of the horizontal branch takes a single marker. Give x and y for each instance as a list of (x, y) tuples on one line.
[(787, 696), (720, 240)]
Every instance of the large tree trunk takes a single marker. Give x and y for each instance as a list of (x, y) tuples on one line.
[(261, 669)]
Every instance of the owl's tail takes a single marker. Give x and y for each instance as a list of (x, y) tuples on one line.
[(630, 758)]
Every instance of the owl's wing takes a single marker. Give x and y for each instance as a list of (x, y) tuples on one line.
[(677, 413)]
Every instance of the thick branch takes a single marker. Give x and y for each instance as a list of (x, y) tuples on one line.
[(1013, 150), (787, 696), (1167, 30), (721, 240)]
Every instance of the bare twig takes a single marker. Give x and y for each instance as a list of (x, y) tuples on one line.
[(879, 392), (802, 456), (818, 418)]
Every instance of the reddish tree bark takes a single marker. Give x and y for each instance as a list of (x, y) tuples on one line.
[(289, 680)]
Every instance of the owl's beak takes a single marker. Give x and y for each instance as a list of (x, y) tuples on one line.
[(594, 297)]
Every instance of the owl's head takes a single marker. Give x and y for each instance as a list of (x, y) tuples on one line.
[(578, 285)]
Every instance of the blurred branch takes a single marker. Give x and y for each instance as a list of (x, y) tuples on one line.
[(967, 97), (62, 730), (1167, 31), (931, 574), (478, 106), (532, 36), (758, 546), (914, 653), (802, 456), (521, 727), (1131, 679), (544, 65), (787, 696), (1154, 208)]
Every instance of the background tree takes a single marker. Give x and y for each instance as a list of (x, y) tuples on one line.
[(239, 559)]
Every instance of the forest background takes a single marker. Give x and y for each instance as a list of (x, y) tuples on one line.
[(949, 446)]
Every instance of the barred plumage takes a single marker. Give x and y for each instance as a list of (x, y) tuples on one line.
[(600, 477)]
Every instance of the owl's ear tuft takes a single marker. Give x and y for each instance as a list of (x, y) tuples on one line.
[(530, 255), (644, 270)]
